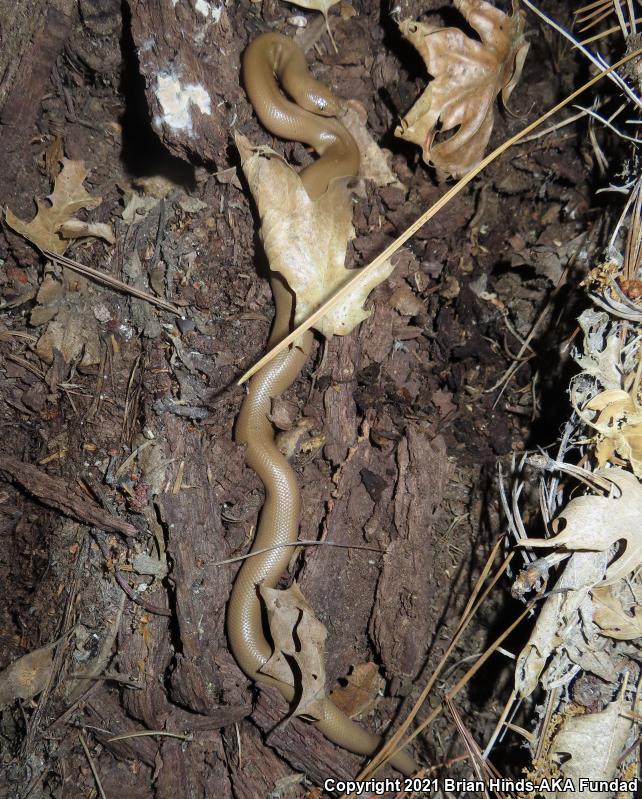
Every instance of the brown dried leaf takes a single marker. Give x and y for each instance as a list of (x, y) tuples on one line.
[(299, 638), (467, 76), (619, 423), (306, 240), (611, 617), (76, 336), (364, 684), (595, 523), (27, 676), (68, 197)]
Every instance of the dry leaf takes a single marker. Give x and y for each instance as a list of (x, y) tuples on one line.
[(467, 76), (289, 441), (374, 161), (68, 197), (76, 229), (138, 207), (315, 5), (27, 676), (319, 5), (619, 423), (601, 351), (611, 617), (364, 685), (595, 523), (558, 620), (306, 240), (299, 637), (595, 743), (74, 334)]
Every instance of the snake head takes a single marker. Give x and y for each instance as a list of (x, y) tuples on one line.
[(320, 100)]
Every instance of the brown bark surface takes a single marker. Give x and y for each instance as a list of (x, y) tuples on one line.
[(124, 490)]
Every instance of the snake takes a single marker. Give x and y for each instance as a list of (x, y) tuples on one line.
[(272, 61)]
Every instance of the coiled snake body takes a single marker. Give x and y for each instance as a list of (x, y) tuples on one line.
[(268, 57)]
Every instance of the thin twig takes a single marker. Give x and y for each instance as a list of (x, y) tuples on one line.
[(303, 542), (150, 733), (92, 766)]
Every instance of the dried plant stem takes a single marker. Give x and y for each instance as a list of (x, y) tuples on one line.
[(151, 734), (109, 280), (607, 32), (598, 61), (425, 217), (92, 766), (298, 543)]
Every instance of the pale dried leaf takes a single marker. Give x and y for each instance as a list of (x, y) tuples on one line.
[(374, 161), (137, 207), (596, 523), (27, 676), (601, 356), (77, 229), (298, 637), (306, 240), (68, 197), (595, 742), (315, 5), (612, 618), (590, 659), (467, 77), (558, 620)]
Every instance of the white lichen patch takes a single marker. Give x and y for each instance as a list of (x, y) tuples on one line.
[(176, 101), (208, 10)]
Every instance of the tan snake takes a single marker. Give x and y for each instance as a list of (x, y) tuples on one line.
[(310, 121)]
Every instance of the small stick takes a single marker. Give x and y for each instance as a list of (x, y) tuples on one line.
[(92, 766)]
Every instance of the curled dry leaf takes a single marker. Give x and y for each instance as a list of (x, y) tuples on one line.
[(467, 76), (619, 423), (318, 5), (299, 639), (595, 742), (68, 197), (306, 240), (27, 676), (595, 523), (77, 229), (610, 615)]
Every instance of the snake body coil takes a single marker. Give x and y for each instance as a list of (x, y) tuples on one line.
[(270, 56)]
